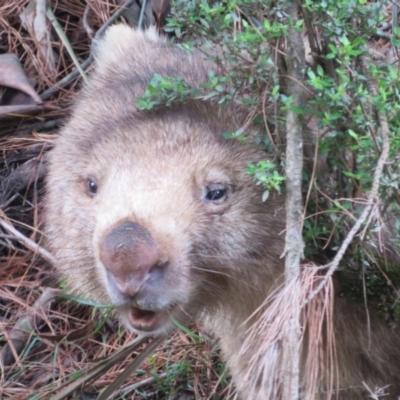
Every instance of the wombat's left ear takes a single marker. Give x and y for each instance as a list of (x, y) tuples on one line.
[(121, 40)]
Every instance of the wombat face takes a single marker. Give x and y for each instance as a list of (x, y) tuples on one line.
[(153, 212)]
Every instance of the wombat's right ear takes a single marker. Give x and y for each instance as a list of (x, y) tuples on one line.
[(118, 41)]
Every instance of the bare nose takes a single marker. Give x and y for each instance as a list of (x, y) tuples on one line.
[(129, 253)]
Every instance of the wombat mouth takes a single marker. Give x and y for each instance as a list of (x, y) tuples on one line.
[(145, 320)]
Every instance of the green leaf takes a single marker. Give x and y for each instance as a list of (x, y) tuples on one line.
[(311, 74), (395, 41), (352, 134)]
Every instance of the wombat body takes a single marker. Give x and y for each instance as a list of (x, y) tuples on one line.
[(153, 212)]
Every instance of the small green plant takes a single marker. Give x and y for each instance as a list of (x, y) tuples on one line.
[(176, 371), (238, 135), (166, 90), (266, 174)]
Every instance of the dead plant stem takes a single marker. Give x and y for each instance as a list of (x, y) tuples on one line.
[(294, 245)]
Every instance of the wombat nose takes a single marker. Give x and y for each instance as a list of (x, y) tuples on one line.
[(129, 253)]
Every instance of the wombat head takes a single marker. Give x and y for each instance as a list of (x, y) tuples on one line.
[(153, 211)]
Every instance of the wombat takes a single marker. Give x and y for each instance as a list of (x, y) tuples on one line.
[(154, 213)]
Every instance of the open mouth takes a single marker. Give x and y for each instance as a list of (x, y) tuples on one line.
[(145, 320)]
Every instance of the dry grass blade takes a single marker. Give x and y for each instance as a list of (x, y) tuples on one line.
[(132, 367), (268, 366), (64, 39), (101, 367)]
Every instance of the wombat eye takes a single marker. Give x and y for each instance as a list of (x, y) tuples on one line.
[(215, 194), (92, 186)]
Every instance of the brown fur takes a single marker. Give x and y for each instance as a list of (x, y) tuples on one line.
[(152, 169)]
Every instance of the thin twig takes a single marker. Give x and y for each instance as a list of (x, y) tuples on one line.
[(140, 24), (30, 244), (294, 245)]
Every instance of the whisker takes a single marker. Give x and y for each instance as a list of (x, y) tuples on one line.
[(212, 271)]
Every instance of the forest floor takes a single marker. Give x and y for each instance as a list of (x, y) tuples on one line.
[(48, 340)]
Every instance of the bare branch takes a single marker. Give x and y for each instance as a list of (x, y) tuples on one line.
[(294, 245)]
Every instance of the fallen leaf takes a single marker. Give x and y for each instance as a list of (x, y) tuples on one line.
[(13, 76)]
